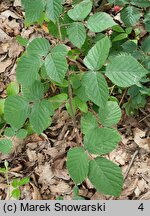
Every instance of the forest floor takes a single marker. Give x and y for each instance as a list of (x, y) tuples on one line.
[(43, 157)]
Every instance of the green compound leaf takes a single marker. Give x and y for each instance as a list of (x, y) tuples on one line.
[(81, 105), (56, 67), (5, 146), (12, 89), (146, 45), (96, 88), (70, 109), (2, 102), (15, 183), (80, 92), (130, 15), (80, 11), (129, 46), (97, 56), (3, 170), (120, 37), (16, 193), (24, 181), (27, 69), (101, 140), (100, 21), (147, 21), (125, 71), (58, 100), (33, 10), (141, 3), (77, 34), (88, 122), (9, 132), (40, 117), (33, 92), (75, 81), (77, 164), (53, 9), (49, 106), (16, 111), (60, 49), (22, 41), (118, 28), (21, 134), (39, 47), (110, 114), (105, 176)]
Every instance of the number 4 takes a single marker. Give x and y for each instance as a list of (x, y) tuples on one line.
[(141, 207)]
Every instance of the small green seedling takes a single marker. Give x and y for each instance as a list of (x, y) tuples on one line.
[(16, 183)]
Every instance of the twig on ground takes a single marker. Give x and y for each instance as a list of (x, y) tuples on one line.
[(131, 163), (61, 155), (144, 118)]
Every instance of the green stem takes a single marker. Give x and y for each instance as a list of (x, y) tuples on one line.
[(70, 98), (59, 30), (78, 138), (8, 183)]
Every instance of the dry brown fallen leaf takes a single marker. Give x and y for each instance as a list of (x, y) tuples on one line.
[(140, 140), (45, 173), (88, 184), (17, 3), (2, 86), (3, 186), (14, 49), (141, 186), (61, 188), (35, 194), (5, 64), (8, 13), (3, 36), (145, 196), (62, 174), (32, 156), (119, 156), (30, 192), (10, 27), (129, 189), (98, 196)]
